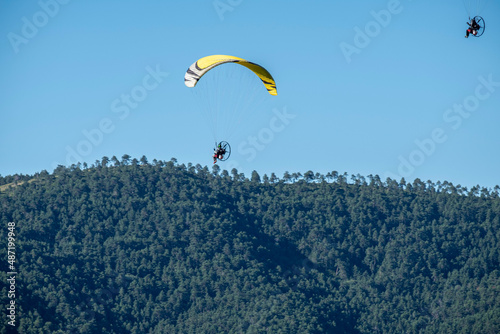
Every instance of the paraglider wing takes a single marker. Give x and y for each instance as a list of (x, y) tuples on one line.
[(205, 64)]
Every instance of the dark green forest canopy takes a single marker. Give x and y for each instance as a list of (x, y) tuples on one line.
[(136, 247)]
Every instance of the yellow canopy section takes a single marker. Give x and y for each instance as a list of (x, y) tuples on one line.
[(205, 64)]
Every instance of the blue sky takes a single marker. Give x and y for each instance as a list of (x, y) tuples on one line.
[(388, 88)]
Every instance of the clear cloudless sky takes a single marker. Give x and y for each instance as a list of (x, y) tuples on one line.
[(388, 88)]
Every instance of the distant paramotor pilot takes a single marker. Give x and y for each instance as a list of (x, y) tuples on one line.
[(473, 28)]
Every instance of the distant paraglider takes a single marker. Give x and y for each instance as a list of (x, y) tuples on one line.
[(227, 93)]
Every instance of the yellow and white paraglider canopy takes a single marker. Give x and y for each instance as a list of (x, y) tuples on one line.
[(205, 64)]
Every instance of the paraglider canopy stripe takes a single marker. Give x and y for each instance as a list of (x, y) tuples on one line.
[(205, 64)]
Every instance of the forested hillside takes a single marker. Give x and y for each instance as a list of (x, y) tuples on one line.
[(137, 247)]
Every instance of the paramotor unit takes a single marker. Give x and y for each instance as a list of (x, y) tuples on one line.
[(474, 9), (480, 26), (222, 151), (476, 26)]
